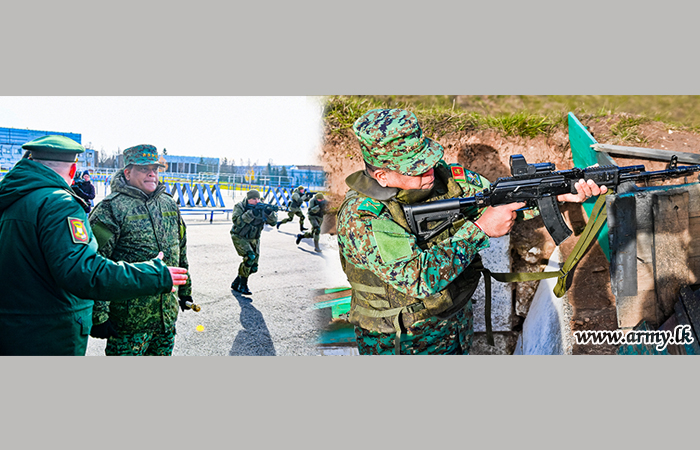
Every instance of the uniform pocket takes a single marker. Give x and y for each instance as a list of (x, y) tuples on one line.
[(84, 320)]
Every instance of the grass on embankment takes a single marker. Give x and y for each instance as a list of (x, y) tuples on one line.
[(523, 115)]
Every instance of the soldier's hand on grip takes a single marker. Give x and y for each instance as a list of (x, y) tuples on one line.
[(585, 191), (498, 220)]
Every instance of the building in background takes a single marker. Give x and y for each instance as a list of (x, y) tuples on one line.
[(12, 139), (178, 167)]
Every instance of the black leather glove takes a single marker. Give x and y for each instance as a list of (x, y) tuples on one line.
[(183, 299), (104, 330)]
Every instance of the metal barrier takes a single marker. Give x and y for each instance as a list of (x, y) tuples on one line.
[(200, 195), (207, 212)]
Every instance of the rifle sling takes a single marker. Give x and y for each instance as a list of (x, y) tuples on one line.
[(598, 217)]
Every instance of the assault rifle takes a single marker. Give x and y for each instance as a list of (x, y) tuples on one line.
[(266, 208), (308, 195), (538, 185)]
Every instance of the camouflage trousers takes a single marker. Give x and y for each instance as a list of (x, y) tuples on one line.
[(433, 336), (315, 232), (142, 344), (249, 249), (290, 217)]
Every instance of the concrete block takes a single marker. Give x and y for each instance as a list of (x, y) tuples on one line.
[(497, 259)]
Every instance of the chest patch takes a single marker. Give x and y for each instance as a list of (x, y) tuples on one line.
[(78, 232)]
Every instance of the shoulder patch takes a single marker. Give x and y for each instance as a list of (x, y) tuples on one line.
[(457, 172), (78, 232), (473, 178), (371, 205)]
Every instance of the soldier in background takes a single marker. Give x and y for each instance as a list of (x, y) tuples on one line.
[(248, 223), (317, 209), (50, 261), (84, 189), (299, 196), (136, 220)]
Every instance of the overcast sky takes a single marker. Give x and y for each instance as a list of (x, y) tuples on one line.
[(286, 130)]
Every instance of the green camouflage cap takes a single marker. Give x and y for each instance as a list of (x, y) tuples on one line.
[(54, 148), (252, 194), (141, 155), (392, 139)]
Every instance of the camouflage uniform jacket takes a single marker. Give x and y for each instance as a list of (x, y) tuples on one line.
[(244, 218), (131, 225), (387, 268)]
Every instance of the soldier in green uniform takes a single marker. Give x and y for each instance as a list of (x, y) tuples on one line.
[(299, 196), (248, 223), (317, 209), (410, 297), (50, 261), (135, 221)]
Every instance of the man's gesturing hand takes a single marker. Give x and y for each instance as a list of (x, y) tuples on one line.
[(178, 274)]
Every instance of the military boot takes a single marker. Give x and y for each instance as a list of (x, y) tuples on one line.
[(236, 283), (299, 238), (316, 247), (301, 226), (243, 286), (278, 225)]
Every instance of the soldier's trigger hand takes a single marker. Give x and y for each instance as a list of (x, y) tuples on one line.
[(498, 220), (179, 276), (104, 330)]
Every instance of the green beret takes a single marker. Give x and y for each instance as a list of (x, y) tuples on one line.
[(54, 148), (141, 155), (392, 139), (252, 194)]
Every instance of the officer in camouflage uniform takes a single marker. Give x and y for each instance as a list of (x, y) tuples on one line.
[(248, 223), (299, 196), (135, 221), (49, 257), (410, 297), (317, 209)]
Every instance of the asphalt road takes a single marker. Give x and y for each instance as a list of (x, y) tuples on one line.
[(277, 319)]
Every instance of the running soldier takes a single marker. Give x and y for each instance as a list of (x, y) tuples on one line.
[(317, 209), (248, 223), (299, 196)]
